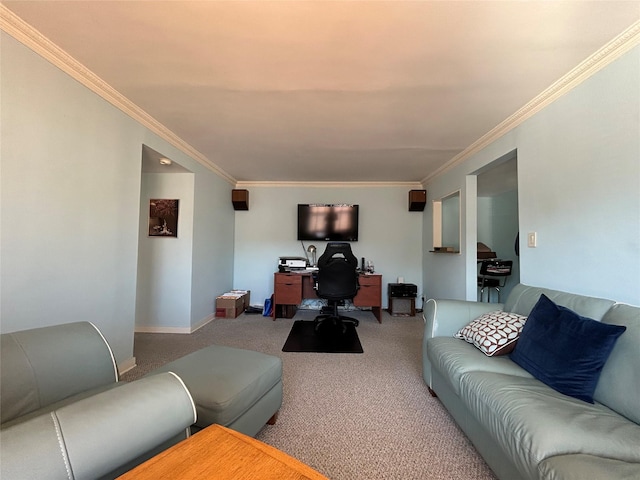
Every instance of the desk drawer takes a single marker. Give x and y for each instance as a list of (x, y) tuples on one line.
[(368, 296), (370, 292), (288, 289), (288, 278), (370, 280)]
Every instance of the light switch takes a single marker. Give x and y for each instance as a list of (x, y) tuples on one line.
[(532, 240)]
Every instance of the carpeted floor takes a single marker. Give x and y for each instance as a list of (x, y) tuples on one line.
[(351, 417)]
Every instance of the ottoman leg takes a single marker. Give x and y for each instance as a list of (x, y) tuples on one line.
[(273, 419)]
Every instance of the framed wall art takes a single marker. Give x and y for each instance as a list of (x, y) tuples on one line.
[(163, 218)]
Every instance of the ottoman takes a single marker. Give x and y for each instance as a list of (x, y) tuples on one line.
[(236, 388)]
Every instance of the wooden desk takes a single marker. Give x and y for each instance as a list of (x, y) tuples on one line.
[(221, 453), (291, 288)]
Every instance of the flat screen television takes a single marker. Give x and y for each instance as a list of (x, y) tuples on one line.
[(333, 222)]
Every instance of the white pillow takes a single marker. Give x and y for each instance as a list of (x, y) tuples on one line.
[(494, 333)]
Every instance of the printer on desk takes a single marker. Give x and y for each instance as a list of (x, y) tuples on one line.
[(286, 264)]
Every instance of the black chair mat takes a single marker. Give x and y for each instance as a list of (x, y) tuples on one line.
[(304, 338)]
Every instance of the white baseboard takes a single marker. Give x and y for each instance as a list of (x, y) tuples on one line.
[(182, 330), (186, 330), (127, 365), (203, 322)]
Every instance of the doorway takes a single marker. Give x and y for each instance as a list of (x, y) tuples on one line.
[(497, 215), (163, 290)]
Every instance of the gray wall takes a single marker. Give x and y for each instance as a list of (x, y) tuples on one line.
[(70, 196), (578, 188), (389, 234)]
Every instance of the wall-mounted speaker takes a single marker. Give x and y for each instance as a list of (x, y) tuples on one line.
[(417, 200), (240, 199)]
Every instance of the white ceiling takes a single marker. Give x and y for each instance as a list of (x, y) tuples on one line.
[(151, 163), (329, 91)]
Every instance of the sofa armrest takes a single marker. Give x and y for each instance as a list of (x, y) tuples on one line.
[(443, 318), (96, 435)]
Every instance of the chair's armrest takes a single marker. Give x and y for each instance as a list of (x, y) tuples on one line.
[(443, 318), (96, 435)]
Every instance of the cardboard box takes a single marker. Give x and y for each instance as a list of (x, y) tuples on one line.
[(246, 295), (232, 304)]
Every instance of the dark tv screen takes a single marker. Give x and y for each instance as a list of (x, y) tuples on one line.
[(337, 222)]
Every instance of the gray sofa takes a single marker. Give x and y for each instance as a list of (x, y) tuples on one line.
[(523, 428), (65, 414)]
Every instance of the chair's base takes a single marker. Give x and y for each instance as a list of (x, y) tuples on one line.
[(489, 284), (327, 310), (333, 321), (489, 288)]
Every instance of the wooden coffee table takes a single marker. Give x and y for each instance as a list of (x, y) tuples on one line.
[(221, 453)]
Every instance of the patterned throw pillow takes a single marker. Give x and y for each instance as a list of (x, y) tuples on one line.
[(494, 333)]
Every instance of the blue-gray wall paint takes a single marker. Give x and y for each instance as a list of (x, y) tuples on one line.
[(389, 235), (578, 188), (70, 199), (498, 228), (71, 186), (163, 299)]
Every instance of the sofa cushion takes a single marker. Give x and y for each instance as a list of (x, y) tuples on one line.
[(523, 298), (619, 384), (453, 358), (579, 467), (493, 333), (532, 422), (565, 350)]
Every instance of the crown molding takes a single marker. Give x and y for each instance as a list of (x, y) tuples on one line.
[(613, 50), (33, 39), (411, 185)]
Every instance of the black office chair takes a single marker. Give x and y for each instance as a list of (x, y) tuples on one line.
[(336, 281), (493, 275)]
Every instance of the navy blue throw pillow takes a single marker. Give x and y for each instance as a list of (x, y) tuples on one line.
[(564, 350)]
